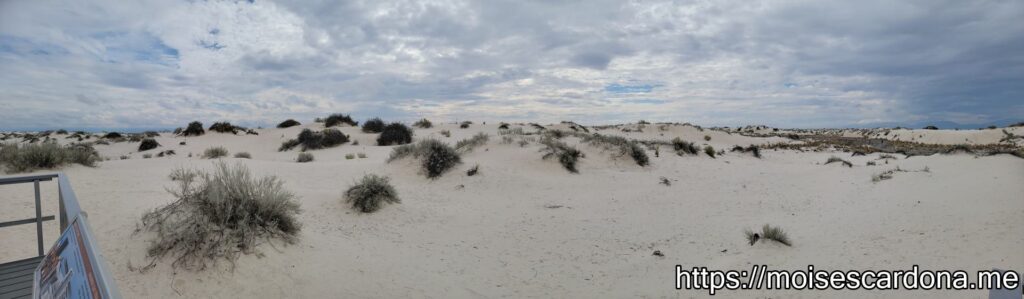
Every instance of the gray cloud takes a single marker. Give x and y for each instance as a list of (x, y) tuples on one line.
[(102, 63)]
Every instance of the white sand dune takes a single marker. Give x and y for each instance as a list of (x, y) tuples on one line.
[(525, 227)]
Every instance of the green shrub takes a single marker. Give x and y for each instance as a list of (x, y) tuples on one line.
[(395, 134), (45, 155), (304, 157), (148, 144), (224, 127), (288, 124), (710, 151), (423, 124), (683, 147), (624, 146), (370, 193), (113, 135), (220, 215), (311, 140), (194, 129), (215, 152), (707, 138), (243, 155), (362, 155), (373, 125), (435, 156), (338, 119), (567, 155), (349, 156), (147, 156)]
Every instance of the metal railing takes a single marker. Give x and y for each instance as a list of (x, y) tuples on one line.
[(69, 211)]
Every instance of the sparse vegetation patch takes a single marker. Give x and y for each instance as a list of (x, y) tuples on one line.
[(371, 193)]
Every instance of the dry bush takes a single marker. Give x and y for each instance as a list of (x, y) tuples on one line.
[(684, 147), (46, 155), (220, 215), (567, 155), (243, 155), (465, 124), (436, 157), (370, 193), (467, 145), (835, 159), (768, 232), (423, 124), (753, 149), (215, 152), (624, 146), (473, 171), (710, 151), (304, 157)]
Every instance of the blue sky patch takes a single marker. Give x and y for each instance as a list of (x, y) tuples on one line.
[(620, 88)]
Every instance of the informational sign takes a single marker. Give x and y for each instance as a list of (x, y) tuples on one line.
[(67, 271)]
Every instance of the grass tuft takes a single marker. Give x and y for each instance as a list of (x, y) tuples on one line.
[(423, 124), (467, 145), (215, 152), (567, 155), (304, 157), (370, 193), (243, 155)]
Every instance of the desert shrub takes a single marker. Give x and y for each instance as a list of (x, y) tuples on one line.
[(707, 138), (147, 156), (288, 124), (467, 145), (135, 137), (361, 155), (215, 152), (684, 147), (435, 156), (166, 153), (886, 157), (395, 134), (567, 155), (931, 128), (113, 135), (223, 127), (373, 125), (243, 155), (151, 134), (710, 151), (538, 126), (62, 132), (338, 119), (45, 155), (465, 124), (194, 129), (423, 124), (446, 133), (503, 126), (311, 140), (349, 156), (753, 149), (624, 146), (835, 159), (768, 232), (556, 134), (370, 193), (148, 144), (101, 142), (304, 157), (473, 171), (220, 215)]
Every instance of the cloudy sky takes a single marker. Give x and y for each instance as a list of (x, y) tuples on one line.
[(147, 64)]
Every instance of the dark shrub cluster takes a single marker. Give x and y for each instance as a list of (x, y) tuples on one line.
[(503, 126), (395, 134), (338, 119), (710, 151), (931, 128), (194, 129), (312, 140), (225, 127), (220, 215), (465, 124), (567, 155), (113, 135), (752, 149), (373, 125), (148, 144), (423, 124), (288, 124), (370, 193), (304, 157), (435, 156)]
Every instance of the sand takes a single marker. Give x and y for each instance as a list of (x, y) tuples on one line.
[(525, 227)]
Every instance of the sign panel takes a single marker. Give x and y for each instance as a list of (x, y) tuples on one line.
[(67, 271)]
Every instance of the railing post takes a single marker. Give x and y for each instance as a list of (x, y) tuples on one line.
[(39, 219), (62, 213)]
